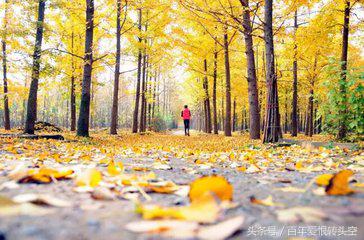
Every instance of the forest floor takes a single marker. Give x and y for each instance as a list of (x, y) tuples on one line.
[(113, 187)]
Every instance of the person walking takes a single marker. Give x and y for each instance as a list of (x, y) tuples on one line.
[(186, 115)]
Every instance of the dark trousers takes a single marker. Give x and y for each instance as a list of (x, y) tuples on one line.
[(187, 126)]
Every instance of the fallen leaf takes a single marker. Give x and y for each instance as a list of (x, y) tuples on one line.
[(221, 230), (163, 187), (9, 207), (323, 179), (291, 189), (113, 170), (102, 193), (45, 175), (41, 199), (90, 177), (204, 210), (301, 214), (217, 185), (266, 202), (339, 183)]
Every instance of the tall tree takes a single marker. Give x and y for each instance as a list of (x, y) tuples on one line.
[(207, 106), (33, 90), (114, 110), (137, 92), (214, 95), (5, 79), (254, 110), (227, 127), (272, 128), (73, 92), (84, 115), (344, 65), (294, 124)]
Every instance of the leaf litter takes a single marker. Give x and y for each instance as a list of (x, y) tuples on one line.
[(110, 170)]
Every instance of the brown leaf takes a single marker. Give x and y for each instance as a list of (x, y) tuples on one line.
[(339, 183)]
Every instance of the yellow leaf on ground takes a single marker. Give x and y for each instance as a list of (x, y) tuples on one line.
[(112, 169), (217, 185), (204, 210), (90, 177), (324, 179), (339, 183), (45, 175), (266, 202)]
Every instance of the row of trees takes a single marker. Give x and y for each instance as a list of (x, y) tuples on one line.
[(283, 49), (306, 46)]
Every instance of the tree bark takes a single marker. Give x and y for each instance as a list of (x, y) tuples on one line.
[(5, 79), (73, 94), (137, 93), (214, 95), (227, 127), (295, 81), (143, 104), (84, 114), (33, 90), (254, 110), (207, 100), (344, 63), (272, 129), (234, 115), (114, 110)]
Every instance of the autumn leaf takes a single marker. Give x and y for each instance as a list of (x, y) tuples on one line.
[(266, 202), (204, 210), (90, 177), (45, 175), (217, 185), (301, 214), (339, 183), (114, 170), (324, 179), (41, 199)]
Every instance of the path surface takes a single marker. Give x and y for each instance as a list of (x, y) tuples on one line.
[(91, 219)]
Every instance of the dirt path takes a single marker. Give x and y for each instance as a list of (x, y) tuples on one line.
[(95, 219)]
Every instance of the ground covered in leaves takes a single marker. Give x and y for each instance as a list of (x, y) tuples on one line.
[(170, 186)]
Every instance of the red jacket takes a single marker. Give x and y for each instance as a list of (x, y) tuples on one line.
[(186, 114)]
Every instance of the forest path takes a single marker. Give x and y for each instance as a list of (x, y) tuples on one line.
[(88, 218)]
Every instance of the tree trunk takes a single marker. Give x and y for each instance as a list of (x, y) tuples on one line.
[(295, 81), (33, 90), (137, 93), (143, 104), (84, 114), (214, 95), (154, 94), (207, 100), (6, 97), (272, 129), (234, 115), (344, 63), (227, 127), (310, 114), (254, 110), (114, 110), (73, 94)]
